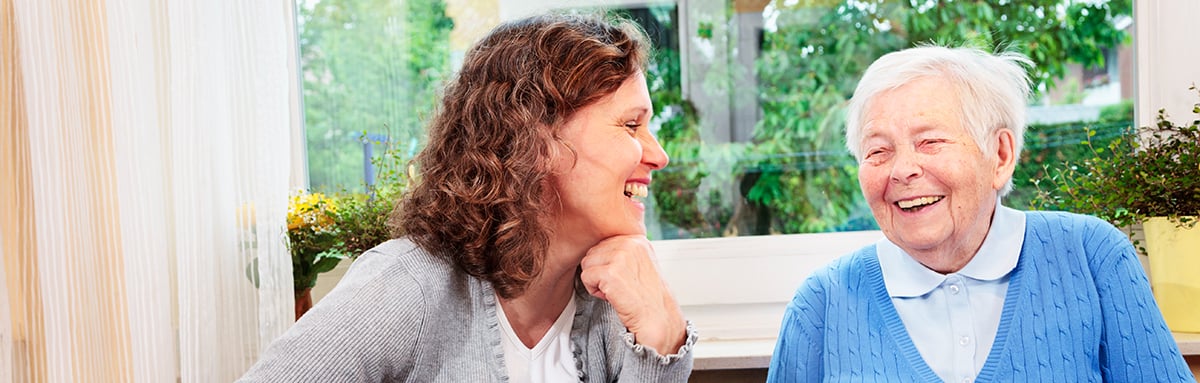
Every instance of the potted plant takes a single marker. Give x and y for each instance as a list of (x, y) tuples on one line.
[(1149, 176), (313, 241), (362, 219)]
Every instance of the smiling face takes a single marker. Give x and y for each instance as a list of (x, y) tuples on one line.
[(931, 188), (601, 187)]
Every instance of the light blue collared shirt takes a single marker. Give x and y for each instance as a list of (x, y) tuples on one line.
[(952, 318)]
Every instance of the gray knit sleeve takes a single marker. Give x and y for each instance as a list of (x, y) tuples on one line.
[(365, 330), (645, 364)]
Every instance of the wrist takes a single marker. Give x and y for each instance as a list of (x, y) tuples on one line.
[(665, 338), (662, 356)]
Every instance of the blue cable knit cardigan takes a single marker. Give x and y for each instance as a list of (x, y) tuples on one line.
[(1078, 309)]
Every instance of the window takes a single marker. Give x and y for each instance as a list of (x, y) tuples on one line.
[(371, 73), (749, 95)]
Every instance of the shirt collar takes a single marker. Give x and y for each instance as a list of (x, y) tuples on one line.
[(997, 256)]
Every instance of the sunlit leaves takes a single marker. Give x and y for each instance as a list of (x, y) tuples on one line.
[(813, 56)]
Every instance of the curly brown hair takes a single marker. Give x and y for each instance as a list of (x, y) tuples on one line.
[(481, 199)]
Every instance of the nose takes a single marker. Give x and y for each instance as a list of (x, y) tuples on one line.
[(653, 154), (905, 167)]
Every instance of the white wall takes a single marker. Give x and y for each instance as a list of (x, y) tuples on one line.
[(1167, 53)]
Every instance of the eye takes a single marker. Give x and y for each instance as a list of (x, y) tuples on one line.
[(633, 126), (875, 155), (933, 144)]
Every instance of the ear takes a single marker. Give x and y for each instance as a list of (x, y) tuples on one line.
[(1005, 154)]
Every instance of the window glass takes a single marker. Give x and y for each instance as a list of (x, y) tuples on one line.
[(372, 70), (749, 95)]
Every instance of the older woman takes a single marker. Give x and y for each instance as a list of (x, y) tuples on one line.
[(524, 257), (963, 288)]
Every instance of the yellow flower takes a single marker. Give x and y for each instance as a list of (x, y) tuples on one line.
[(311, 211)]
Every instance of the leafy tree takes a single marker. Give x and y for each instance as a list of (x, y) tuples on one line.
[(1051, 32), (812, 59), (371, 72)]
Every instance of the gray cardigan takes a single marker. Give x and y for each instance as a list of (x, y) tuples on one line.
[(403, 315)]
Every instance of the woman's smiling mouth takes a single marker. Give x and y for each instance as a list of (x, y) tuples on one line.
[(635, 190)]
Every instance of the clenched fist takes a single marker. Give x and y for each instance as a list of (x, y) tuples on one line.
[(622, 271)]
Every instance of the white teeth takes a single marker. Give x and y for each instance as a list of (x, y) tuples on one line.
[(636, 190), (917, 202)]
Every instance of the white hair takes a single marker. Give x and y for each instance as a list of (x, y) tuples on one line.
[(993, 90)]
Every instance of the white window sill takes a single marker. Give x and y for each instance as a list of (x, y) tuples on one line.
[(727, 354), (1189, 343), (733, 354)]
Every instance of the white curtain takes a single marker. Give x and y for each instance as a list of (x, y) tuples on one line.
[(6, 343), (145, 153)]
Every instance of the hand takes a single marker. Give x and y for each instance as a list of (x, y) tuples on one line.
[(622, 271)]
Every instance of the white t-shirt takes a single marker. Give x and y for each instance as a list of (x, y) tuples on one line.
[(550, 360)]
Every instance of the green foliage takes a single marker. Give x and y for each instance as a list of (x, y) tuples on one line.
[(808, 68), (1050, 148), (1051, 32), (362, 221), (691, 195), (811, 62), (1151, 172), (1121, 111), (369, 66), (684, 196)]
